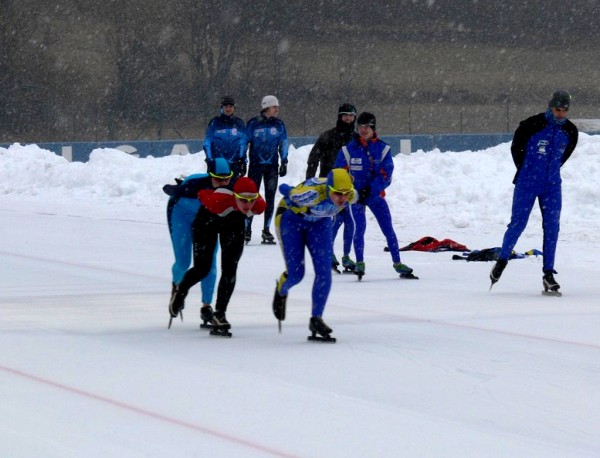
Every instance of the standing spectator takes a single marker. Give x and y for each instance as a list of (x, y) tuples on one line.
[(182, 209), (226, 137), (369, 161), (268, 158), (223, 217), (540, 146), (304, 221), (322, 156)]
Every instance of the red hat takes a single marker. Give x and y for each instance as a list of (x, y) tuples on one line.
[(245, 185)]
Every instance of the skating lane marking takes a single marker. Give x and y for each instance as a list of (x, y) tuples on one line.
[(474, 328), (157, 416)]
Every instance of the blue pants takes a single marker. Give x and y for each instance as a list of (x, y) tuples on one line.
[(180, 218), (345, 217), (550, 201), (295, 233), (380, 209)]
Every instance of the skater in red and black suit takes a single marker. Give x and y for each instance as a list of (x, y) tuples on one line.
[(222, 216)]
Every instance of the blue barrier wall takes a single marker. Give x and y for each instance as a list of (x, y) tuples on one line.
[(405, 144)]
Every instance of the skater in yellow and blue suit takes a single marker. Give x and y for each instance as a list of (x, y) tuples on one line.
[(304, 219)]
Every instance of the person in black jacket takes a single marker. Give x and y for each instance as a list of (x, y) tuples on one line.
[(322, 156), (540, 147)]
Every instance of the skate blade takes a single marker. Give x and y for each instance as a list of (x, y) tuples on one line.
[(267, 243), (321, 339), (220, 333), (552, 293), (409, 277), (171, 319)]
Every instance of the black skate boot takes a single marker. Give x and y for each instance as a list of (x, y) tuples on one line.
[(247, 236), (206, 315), (348, 264), (335, 265), (359, 270), (279, 301), (497, 270), (318, 326), (551, 286), (267, 237), (176, 304), (220, 325)]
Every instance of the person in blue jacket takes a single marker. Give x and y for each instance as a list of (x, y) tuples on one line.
[(182, 208), (226, 137), (540, 147), (305, 221), (369, 161), (268, 155)]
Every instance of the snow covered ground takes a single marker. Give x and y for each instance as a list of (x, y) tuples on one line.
[(428, 368)]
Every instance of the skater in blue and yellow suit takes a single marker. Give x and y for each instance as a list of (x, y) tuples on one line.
[(304, 219)]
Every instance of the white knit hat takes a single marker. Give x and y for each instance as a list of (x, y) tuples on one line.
[(269, 101)]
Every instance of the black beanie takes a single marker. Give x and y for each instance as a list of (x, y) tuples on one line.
[(560, 99), (346, 108), (227, 100), (366, 118)]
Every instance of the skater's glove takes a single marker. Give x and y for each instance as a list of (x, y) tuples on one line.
[(283, 168), (364, 194), (209, 163), (169, 189), (243, 168)]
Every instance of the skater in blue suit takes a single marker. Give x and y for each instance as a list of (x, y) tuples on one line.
[(268, 154), (226, 137), (540, 147), (369, 161), (305, 220), (182, 209)]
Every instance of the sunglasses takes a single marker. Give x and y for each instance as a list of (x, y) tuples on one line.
[(220, 177), (247, 199), (339, 192)]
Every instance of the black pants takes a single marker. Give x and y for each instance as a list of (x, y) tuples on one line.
[(207, 228), (270, 174)]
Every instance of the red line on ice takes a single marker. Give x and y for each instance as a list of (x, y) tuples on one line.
[(148, 413)]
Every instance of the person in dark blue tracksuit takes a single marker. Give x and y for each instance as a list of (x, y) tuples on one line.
[(541, 145), (304, 221), (268, 154), (369, 161), (226, 137), (182, 208)]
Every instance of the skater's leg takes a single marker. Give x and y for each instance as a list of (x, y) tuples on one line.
[(358, 210), (550, 206), (380, 209), (522, 204), (208, 283), (255, 173), (205, 241), (271, 176), (292, 232), (349, 228), (180, 229), (320, 246), (231, 235)]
